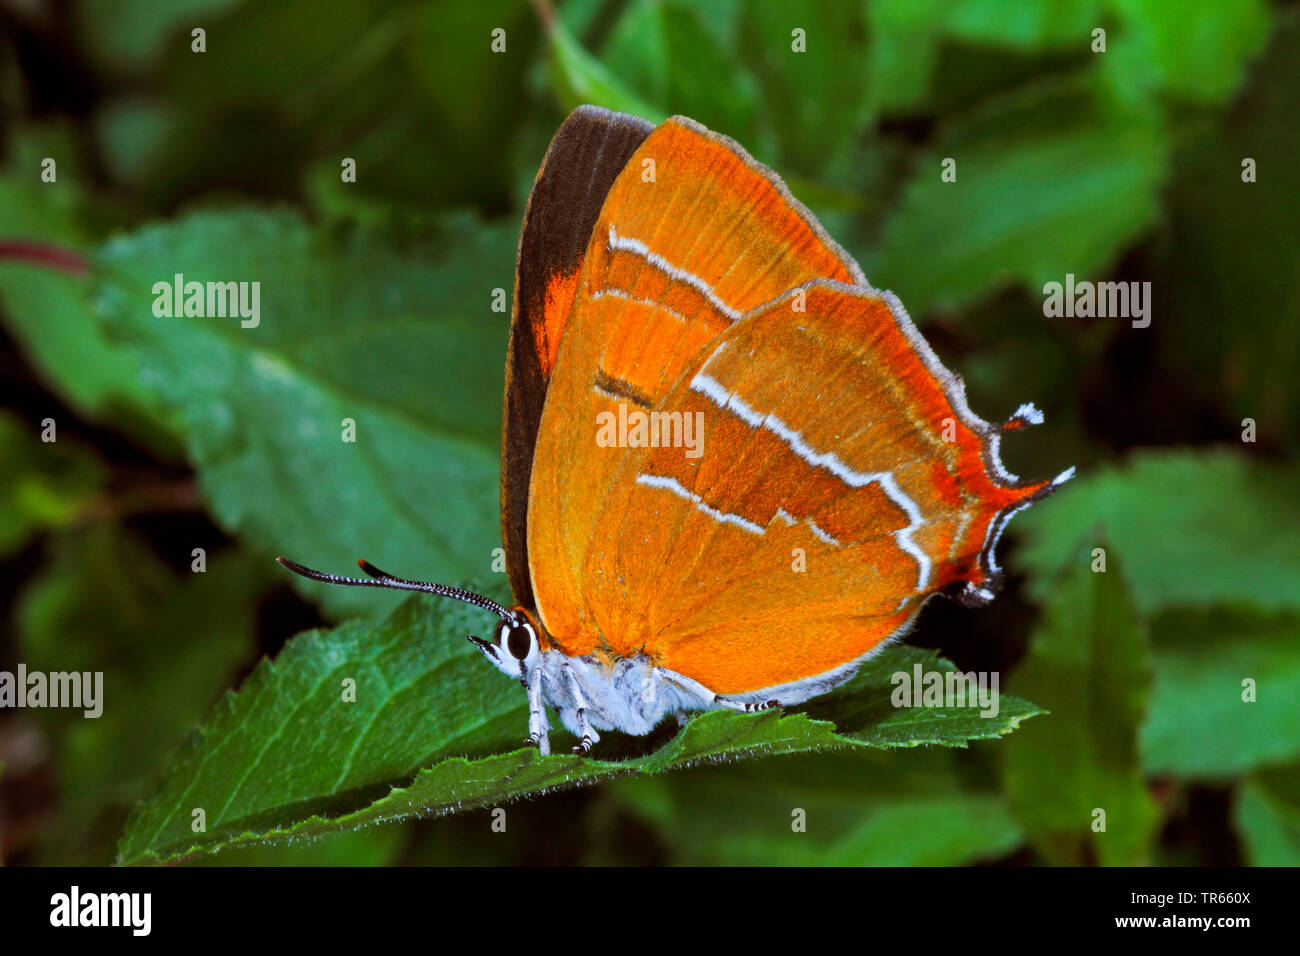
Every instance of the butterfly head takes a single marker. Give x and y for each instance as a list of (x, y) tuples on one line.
[(517, 646)]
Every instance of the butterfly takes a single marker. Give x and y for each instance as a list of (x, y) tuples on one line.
[(835, 482)]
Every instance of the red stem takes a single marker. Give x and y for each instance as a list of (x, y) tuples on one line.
[(43, 254)]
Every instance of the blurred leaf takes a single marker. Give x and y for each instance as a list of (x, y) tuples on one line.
[(394, 86), (475, 93), (459, 840), (165, 646), (1230, 268), (402, 342), (286, 757), (273, 51), (44, 486), (129, 34), (1193, 529), (222, 120), (638, 47), (1090, 666), (1198, 55), (1028, 23), (1199, 725), (1268, 817), (135, 134), (45, 309), (906, 36), (860, 809), (1048, 182), (667, 51), (903, 48), (577, 77), (452, 56), (816, 99)]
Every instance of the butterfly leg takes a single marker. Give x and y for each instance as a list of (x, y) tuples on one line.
[(585, 730), (696, 689), (743, 706), (537, 723)]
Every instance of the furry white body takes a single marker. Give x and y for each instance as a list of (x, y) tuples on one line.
[(632, 695)]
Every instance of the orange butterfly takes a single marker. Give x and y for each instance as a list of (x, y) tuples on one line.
[(665, 279)]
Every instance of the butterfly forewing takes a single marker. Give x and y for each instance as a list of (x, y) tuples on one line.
[(587, 153)]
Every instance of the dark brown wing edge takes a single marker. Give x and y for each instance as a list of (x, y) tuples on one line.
[(588, 152)]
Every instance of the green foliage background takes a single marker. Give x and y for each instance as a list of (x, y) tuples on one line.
[(175, 434)]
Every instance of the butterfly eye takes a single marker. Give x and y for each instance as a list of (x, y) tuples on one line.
[(519, 642)]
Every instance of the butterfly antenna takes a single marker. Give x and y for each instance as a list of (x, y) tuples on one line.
[(382, 579)]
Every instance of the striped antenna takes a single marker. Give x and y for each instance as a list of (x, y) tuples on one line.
[(382, 579)]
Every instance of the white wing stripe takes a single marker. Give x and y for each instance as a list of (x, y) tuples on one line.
[(821, 534), (620, 294), (675, 486), (628, 244), (728, 401)]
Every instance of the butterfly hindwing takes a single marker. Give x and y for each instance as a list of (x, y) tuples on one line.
[(827, 504)]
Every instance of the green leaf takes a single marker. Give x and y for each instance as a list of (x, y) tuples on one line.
[(1201, 723), (864, 708), (403, 343), (1090, 666), (854, 809), (287, 757), (377, 846), (1201, 58), (1267, 816), (1049, 182), (1193, 529)]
